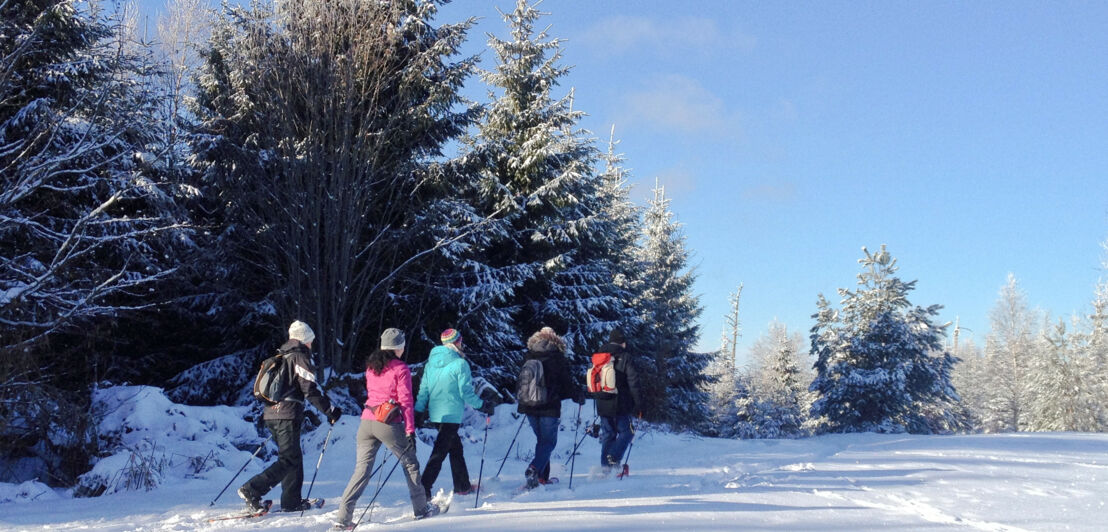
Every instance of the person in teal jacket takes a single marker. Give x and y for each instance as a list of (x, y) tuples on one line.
[(444, 390)]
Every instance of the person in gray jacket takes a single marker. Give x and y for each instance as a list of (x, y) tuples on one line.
[(284, 420)]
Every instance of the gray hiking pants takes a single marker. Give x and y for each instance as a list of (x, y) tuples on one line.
[(371, 434)]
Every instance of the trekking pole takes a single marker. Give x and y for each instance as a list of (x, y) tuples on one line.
[(497, 475), (627, 457), (481, 469), (579, 442), (327, 439), (260, 447), (573, 454), (380, 486)]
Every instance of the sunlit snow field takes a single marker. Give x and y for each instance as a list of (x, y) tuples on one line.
[(1034, 481)]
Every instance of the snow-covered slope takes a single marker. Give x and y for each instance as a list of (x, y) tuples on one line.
[(852, 482)]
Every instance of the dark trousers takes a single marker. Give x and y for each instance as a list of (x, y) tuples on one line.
[(546, 435), (289, 467), (615, 436), (448, 443)]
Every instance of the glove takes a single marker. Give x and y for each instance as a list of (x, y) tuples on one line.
[(334, 414), (411, 441), (421, 419), (487, 408), (490, 394)]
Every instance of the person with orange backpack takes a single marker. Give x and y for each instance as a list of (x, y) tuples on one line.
[(614, 384)]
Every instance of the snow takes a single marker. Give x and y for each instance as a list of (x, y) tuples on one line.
[(1007, 482)]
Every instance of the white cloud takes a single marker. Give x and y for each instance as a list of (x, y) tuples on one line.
[(784, 192), (678, 182), (622, 33), (677, 103)]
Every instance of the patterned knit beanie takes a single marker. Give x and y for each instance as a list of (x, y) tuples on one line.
[(450, 336)]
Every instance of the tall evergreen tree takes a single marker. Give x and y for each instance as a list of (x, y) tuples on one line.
[(1055, 385), (969, 378), (778, 385), (537, 174), (322, 126), (670, 310), (88, 227), (1010, 347), (880, 363), (722, 393)]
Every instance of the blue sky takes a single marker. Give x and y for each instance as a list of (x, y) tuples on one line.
[(970, 137)]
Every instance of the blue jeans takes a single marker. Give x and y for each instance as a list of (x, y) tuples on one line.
[(546, 434), (615, 436)]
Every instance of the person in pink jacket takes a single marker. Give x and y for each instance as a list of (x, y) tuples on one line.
[(388, 418)]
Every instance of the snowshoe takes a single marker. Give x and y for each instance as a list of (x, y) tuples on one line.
[(430, 510), (305, 505), (470, 491), (254, 504)]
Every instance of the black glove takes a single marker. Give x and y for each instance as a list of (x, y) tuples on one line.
[(421, 419), (411, 441), (490, 394), (487, 408), (334, 414)]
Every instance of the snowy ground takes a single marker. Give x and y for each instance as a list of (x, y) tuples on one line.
[(842, 482)]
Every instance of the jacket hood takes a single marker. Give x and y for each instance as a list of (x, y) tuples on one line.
[(293, 345), (546, 340), (614, 349), (441, 356)]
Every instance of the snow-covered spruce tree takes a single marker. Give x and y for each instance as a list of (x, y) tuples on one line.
[(87, 225), (969, 379), (1010, 346), (722, 391), (785, 384), (1096, 355), (1055, 384), (616, 238), (880, 363), (559, 230), (669, 309), (322, 124)]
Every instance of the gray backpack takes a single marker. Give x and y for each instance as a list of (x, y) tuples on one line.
[(274, 381), (532, 384)]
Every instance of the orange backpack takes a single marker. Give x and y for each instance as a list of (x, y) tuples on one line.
[(602, 375)]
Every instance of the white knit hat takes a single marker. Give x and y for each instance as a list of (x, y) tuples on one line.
[(300, 331), (392, 339)]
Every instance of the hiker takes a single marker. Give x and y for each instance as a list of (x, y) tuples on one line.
[(388, 418), (541, 399), (284, 420), (444, 390), (615, 407)]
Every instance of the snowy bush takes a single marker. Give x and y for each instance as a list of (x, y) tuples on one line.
[(31, 490), (146, 440)]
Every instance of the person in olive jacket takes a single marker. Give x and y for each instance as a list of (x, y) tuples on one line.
[(548, 348), (444, 391), (284, 420)]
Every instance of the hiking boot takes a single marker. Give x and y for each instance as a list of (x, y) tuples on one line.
[(551, 480), (430, 510), (532, 478), (472, 488), (253, 502), (342, 526)]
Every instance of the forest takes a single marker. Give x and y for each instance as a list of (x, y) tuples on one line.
[(171, 200)]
